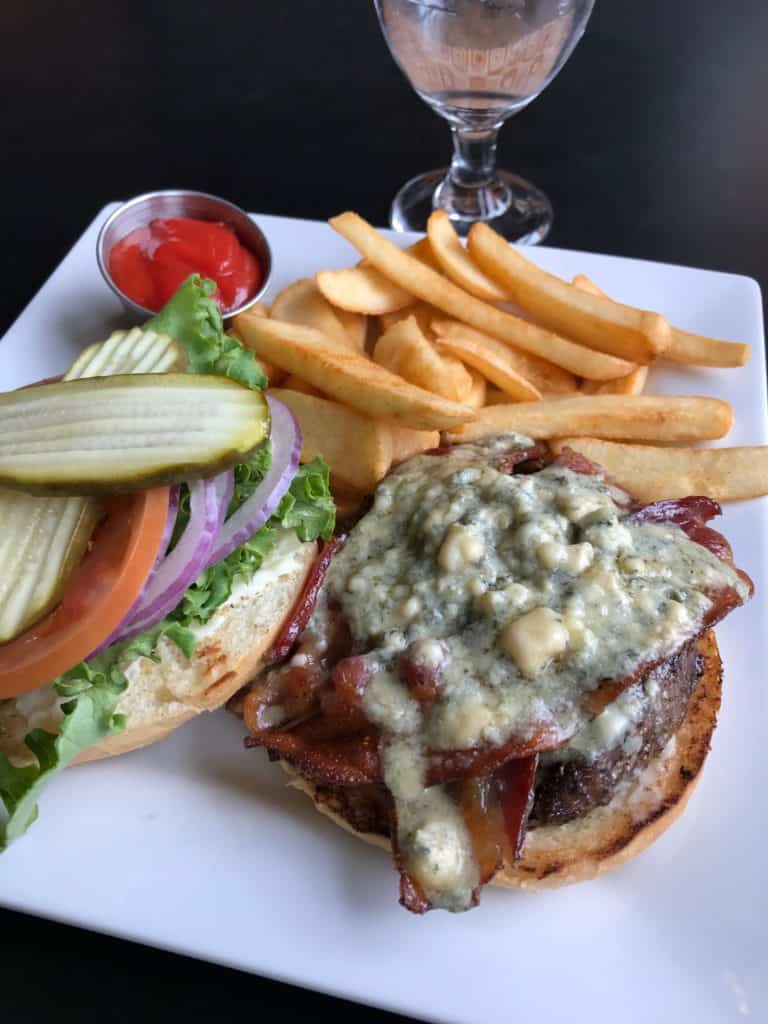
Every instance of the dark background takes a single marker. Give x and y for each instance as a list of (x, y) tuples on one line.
[(651, 143)]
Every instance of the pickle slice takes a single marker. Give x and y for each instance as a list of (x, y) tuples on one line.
[(126, 432), (43, 539), (134, 351)]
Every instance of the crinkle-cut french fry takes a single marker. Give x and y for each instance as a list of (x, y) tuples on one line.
[(427, 284)]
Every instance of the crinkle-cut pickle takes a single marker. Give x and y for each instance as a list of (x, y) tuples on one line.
[(127, 432), (43, 539)]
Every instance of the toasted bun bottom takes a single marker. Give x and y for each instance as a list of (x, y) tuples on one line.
[(608, 836), (163, 695)]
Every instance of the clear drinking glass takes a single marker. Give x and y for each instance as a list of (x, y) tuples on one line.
[(477, 62)]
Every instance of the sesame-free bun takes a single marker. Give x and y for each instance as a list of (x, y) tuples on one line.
[(606, 837), (163, 695)]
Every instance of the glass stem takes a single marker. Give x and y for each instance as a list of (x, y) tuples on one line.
[(474, 156), (472, 189)]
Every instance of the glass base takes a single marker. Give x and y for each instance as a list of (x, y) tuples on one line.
[(525, 217)]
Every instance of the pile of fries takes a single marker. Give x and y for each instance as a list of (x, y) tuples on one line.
[(379, 360)]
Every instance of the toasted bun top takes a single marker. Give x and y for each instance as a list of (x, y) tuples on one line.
[(163, 695), (607, 836)]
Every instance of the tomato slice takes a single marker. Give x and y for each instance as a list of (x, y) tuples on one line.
[(101, 593)]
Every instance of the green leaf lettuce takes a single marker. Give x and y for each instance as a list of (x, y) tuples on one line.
[(93, 688)]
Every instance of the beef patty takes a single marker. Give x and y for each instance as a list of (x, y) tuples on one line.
[(565, 789), (568, 789)]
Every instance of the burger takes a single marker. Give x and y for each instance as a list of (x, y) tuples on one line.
[(505, 672), (131, 600)]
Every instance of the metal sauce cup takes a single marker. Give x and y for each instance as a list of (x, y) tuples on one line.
[(137, 212)]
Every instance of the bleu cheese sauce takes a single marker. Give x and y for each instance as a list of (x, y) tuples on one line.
[(527, 590)]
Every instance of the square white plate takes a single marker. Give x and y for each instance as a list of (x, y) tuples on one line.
[(197, 846)]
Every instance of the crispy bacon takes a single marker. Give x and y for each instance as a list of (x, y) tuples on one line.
[(516, 780), (476, 762), (514, 460), (479, 805), (577, 462), (306, 602), (336, 761), (522, 460), (681, 511), (691, 515), (421, 679), (412, 896), (724, 600), (341, 697)]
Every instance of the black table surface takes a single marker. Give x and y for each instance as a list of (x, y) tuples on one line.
[(651, 143)]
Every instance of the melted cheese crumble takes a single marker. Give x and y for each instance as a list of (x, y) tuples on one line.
[(524, 591)]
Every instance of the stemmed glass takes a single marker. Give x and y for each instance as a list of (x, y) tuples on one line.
[(477, 62)]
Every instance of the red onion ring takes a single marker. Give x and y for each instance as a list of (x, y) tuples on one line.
[(181, 568), (285, 436)]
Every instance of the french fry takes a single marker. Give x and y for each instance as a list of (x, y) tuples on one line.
[(544, 376), (632, 334), (358, 450), (406, 442), (259, 309), (614, 417), (404, 350), (492, 359), (456, 263), (302, 303), (356, 326), (423, 312), (495, 396), (476, 397), (684, 347), (362, 290), (656, 474), (348, 376), (295, 383), (349, 502), (274, 374), (632, 384), (420, 280)]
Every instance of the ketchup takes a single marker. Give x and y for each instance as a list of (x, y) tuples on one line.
[(150, 263)]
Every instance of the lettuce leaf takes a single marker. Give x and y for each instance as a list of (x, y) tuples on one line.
[(194, 319), (307, 508), (94, 687), (88, 718)]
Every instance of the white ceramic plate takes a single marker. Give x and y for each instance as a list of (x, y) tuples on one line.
[(197, 846)]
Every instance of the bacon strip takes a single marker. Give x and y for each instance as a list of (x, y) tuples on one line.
[(516, 780), (577, 463), (481, 811), (475, 762), (306, 602), (723, 601)]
